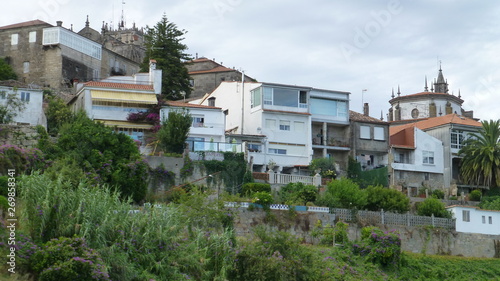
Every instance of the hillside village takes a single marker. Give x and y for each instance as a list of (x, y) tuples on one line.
[(279, 129)]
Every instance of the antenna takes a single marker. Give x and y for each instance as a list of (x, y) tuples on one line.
[(122, 20)]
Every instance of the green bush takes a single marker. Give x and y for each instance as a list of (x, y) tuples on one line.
[(4, 180), (432, 206), (343, 193), (438, 194), (4, 203), (250, 188), (475, 195), (380, 248), (263, 198), (327, 233), (490, 203), (68, 259), (297, 194), (390, 200)]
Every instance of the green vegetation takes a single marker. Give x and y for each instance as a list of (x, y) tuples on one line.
[(325, 166), (163, 44), (58, 114), (10, 109), (174, 131), (6, 71), (432, 206), (343, 193), (366, 178), (298, 194), (390, 200), (475, 195), (481, 156)]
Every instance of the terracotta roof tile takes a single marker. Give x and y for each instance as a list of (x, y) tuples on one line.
[(24, 24), (216, 69), (119, 85), (438, 121), (192, 105), (356, 116)]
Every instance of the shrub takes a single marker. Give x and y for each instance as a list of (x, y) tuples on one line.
[(389, 200), (20, 159), (381, 248), (68, 259), (326, 167), (490, 203), (4, 180), (250, 188), (4, 203), (298, 194), (475, 195), (263, 198), (438, 194), (343, 193), (432, 206), (327, 233)]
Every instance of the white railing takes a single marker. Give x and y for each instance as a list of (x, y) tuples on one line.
[(278, 178)]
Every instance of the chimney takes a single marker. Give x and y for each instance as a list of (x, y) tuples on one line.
[(211, 101), (366, 109), (152, 65), (59, 23)]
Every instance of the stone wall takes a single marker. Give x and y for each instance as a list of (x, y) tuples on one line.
[(20, 135), (433, 241)]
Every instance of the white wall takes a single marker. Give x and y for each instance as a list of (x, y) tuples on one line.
[(476, 225), (33, 111), (424, 142), (423, 107)]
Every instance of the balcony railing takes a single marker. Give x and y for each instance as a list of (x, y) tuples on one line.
[(196, 146)]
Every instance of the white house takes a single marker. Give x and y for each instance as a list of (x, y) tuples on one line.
[(33, 101), (278, 122), (417, 158), (475, 220), (111, 100), (207, 128)]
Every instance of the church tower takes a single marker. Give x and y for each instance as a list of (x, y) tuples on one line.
[(440, 85)]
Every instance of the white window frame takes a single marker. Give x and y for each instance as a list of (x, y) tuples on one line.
[(284, 125), (26, 67), (365, 132), (379, 133), (14, 39), (466, 215), (32, 36), (279, 151), (198, 121), (428, 157)]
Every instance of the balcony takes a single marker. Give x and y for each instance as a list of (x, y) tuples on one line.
[(334, 144), (200, 146)]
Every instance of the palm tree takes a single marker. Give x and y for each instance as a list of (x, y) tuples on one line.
[(481, 156)]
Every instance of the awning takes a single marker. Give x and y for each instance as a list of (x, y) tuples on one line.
[(123, 97), (125, 124)]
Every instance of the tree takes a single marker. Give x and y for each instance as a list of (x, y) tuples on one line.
[(6, 71), (57, 113), (325, 165), (11, 107), (390, 200), (343, 193), (174, 131), (481, 156), (163, 44), (432, 206)]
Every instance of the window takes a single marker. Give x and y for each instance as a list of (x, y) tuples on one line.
[(428, 157), (335, 108), (426, 176), (284, 125), (25, 96), (198, 121), (484, 219), (271, 124), (252, 147), (14, 39), (26, 67), (303, 99), (466, 216), (32, 36), (402, 157), (256, 97), (268, 96), (277, 151), (378, 133), (490, 220), (191, 82), (364, 132), (458, 138), (299, 126)]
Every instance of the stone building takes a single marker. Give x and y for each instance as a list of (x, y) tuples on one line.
[(436, 102), (206, 76), (56, 57)]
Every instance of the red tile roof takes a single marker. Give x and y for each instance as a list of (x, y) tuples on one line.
[(216, 69), (24, 24), (438, 121), (430, 94), (192, 105), (119, 85)]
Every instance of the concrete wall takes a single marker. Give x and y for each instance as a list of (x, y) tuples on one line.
[(413, 239)]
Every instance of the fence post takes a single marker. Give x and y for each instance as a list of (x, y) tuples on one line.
[(432, 218), (271, 176), (382, 215), (408, 217), (317, 180)]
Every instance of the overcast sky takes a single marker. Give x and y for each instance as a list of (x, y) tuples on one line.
[(327, 44)]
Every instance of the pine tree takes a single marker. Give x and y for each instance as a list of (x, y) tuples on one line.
[(163, 44)]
